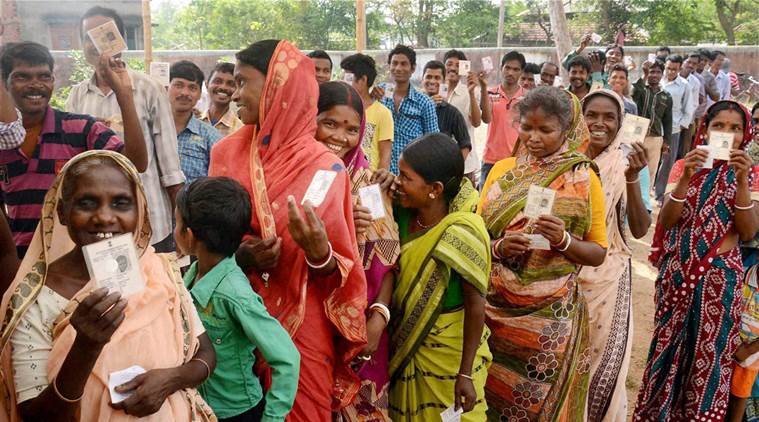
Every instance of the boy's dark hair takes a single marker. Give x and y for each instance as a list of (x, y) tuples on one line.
[(664, 48), (218, 211), (717, 53), (223, 67), (27, 52), (705, 53), (320, 54), (434, 64), (405, 50), (696, 55), (361, 65), (532, 69), (514, 55), (657, 63), (675, 58), (188, 70), (619, 67), (101, 11), (579, 61), (454, 53), (258, 55)]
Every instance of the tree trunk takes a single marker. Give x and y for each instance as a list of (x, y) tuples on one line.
[(424, 23), (727, 18), (560, 31)]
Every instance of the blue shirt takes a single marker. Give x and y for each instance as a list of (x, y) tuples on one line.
[(195, 143), (415, 117)]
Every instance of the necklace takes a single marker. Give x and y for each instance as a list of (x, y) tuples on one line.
[(419, 223)]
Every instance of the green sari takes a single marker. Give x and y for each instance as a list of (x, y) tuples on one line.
[(427, 334)]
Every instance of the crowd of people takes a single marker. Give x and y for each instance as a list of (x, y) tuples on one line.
[(304, 300)]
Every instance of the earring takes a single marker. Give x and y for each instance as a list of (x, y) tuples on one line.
[(432, 195)]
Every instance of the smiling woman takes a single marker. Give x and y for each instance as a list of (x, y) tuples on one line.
[(62, 336)]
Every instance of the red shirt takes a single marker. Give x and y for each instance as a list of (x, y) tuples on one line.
[(502, 130)]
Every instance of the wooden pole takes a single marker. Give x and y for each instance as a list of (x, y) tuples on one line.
[(360, 25), (501, 13), (147, 34)]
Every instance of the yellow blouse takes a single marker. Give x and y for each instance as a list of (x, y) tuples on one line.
[(597, 233)]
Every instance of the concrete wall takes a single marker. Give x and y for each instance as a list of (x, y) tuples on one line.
[(745, 59)]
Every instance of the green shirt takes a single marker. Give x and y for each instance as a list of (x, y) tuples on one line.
[(237, 323)]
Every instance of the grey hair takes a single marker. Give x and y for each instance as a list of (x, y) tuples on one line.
[(553, 101), (81, 167)]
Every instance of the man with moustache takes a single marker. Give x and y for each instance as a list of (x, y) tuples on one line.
[(548, 73), (527, 80), (720, 77), (579, 73), (450, 120), (470, 97), (163, 177), (195, 138), (654, 103), (220, 114), (502, 133)]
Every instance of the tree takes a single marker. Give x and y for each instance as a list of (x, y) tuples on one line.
[(559, 27), (473, 23), (731, 12)]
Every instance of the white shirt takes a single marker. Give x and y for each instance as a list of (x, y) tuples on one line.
[(460, 99), (157, 121), (680, 92), (694, 86), (723, 85)]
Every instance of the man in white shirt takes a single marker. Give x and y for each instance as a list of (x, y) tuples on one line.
[(688, 71), (678, 89), (471, 99), (163, 177), (723, 81)]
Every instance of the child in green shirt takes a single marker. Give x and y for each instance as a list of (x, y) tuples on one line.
[(212, 216)]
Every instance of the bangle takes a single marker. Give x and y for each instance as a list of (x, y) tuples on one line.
[(323, 264), (746, 208), (208, 367), (60, 396), (567, 240), (496, 246), (469, 377), (382, 309), (633, 181), (676, 199)]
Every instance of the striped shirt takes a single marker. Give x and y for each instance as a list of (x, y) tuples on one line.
[(24, 181), (12, 134)]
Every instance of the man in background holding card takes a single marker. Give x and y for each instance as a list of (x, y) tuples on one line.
[(449, 119), (471, 99), (413, 112), (163, 177), (195, 138)]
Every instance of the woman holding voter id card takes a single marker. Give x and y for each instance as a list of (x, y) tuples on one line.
[(710, 206), (340, 127), (302, 256), (538, 318), (66, 340), (608, 288)]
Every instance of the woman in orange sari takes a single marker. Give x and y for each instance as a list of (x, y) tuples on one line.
[(62, 336), (308, 271)]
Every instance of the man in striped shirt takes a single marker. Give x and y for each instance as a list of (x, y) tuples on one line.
[(52, 136)]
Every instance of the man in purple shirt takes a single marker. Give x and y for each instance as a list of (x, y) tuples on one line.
[(53, 136)]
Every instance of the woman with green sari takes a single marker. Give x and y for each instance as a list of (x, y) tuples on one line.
[(439, 351), (538, 317)]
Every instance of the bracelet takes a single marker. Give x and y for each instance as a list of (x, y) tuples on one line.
[(567, 239), (496, 246), (746, 208), (60, 396), (208, 367), (323, 264), (676, 199), (633, 181), (469, 377), (382, 309)]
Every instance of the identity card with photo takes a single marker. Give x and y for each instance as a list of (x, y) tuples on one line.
[(595, 38), (452, 414), (389, 90), (634, 129), (709, 163), (371, 197), (539, 201), (487, 63), (721, 144), (464, 67), (443, 92), (319, 187), (118, 378), (348, 77), (113, 263), (107, 39), (160, 71), (538, 241)]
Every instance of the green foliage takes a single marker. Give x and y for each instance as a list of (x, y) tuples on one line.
[(473, 23)]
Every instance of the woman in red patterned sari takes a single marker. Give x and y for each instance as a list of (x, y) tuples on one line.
[(698, 291), (307, 269)]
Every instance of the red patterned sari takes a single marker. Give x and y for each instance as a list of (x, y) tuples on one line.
[(274, 160)]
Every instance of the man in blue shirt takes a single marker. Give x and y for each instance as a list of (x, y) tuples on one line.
[(413, 112), (194, 137)]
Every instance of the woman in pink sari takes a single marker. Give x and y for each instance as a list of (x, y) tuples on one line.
[(308, 270)]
